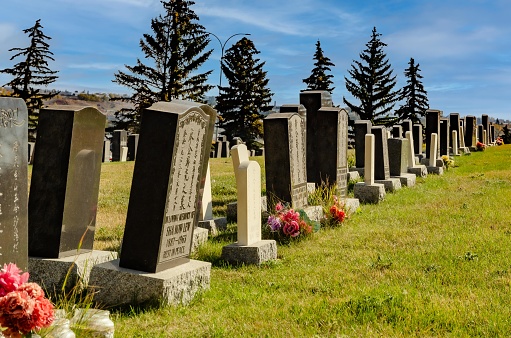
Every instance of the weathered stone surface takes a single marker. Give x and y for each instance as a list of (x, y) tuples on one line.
[(120, 286), (214, 225), (369, 193), (314, 212), (391, 184), (54, 273), (419, 170), (407, 180), (200, 236), (256, 253), (232, 209), (353, 175), (436, 170), (351, 205)]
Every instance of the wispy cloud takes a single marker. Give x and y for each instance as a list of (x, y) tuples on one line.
[(96, 66)]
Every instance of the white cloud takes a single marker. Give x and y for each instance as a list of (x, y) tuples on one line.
[(96, 66)]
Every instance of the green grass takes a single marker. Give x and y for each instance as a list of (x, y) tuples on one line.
[(429, 261)]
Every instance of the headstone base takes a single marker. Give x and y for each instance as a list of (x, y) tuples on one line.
[(359, 170), (439, 162), (232, 209), (257, 253), (464, 150), (420, 156), (53, 273), (407, 180), (473, 148), (419, 170), (116, 286), (391, 184), (200, 236), (214, 225), (314, 212), (373, 193), (353, 176), (436, 170), (351, 205)]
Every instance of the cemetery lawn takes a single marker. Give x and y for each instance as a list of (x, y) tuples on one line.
[(433, 260)]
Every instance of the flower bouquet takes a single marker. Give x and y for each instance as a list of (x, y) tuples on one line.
[(286, 224), (23, 307), (499, 141), (336, 213), (480, 146)]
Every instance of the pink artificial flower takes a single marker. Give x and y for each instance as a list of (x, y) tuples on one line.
[(291, 229), (11, 278), (279, 207)]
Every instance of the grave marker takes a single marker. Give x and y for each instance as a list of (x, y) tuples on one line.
[(444, 136), (132, 147), (362, 127), (432, 126), (119, 141)]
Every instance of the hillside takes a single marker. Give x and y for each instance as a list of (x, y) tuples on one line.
[(103, 104)]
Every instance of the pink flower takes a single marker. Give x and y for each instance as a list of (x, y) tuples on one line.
[(11, 278), (279, 207), (291, 229)]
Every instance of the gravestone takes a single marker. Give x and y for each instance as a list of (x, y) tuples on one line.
[(285, 161), (480, 134), (106, 151), (381, 160), (369, 191), (407, 125), (294, 108), (362, 127), (398, 149), (470, 131), (432, 126), (222, 147), (455, 143), (13, 182), (397, 131), (486, 127), (444, 136), (313, 100), (65, 181), (31, 147), (492, 133), (132, 147), (418, 140), (119, 141), (433, 167), (454, 124), (413, 168)]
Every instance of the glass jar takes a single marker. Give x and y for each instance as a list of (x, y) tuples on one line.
[(93, 322)]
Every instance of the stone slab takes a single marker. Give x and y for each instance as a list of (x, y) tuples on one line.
[(353, 176), (116, 286), (51, 273), (351, 205), (373, 193), (256, 253), (407, 180), (214, 225), (359, 170), (436, 170), (391, 184), (200, 236), (314, 212), (419, 170)]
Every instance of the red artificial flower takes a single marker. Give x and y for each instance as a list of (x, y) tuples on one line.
[(291, 229), (11, 278)]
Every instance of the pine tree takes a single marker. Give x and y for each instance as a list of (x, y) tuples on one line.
[(414, 95), (176, 49), (31, 72), (319, 79), (241, 103), (373, 84)]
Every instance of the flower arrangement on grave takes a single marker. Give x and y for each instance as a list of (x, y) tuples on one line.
[(480, 146), (336, 213), (286, 224), (23, 306), (448, 162), (499, 141)]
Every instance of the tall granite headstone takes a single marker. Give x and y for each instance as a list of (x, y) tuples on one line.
[(65, 181), (398, 156), (381, 155), (362, 127), (444, 136), (132, 147), (480, 133), (417, 139), (285, 161), (486, 126), (119, 140), (470, 131), (407, 125), (492, 133), (168, 177), (432, 126), (397, 131), (454, 124), (13, 182), (313, 100)]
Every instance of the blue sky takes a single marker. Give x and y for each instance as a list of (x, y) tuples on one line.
[(463, 47)]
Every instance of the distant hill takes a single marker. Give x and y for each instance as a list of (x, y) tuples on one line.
[(102, 103)]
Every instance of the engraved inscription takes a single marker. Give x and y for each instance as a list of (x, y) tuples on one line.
[(10, 118), (297, 153), (183, 187), (299, 195)]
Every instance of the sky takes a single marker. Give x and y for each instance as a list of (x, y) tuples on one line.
[(463, 47)]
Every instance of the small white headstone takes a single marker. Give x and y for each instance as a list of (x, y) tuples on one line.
[(239, 154), (369, 160), (485, 139), (433, 150), (124, 154), (454, 142), (411, 152), (207, 200), (248, 183), (462, 138)]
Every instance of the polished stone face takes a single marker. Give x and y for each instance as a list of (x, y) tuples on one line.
[(13, 182), (65, 181), (381, 156)]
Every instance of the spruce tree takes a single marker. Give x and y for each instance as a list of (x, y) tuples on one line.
[(373, 84), (176, 50), (319, 79), (33, 71), (414, 95), (240, 104)]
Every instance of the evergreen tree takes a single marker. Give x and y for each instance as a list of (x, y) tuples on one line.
[(31, 72), (414, 95), (176, 50), (319, 79), (373, 84), (241, 103)]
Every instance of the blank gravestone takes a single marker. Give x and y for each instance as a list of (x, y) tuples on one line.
[(163, 209), (454, 125), (486, 127), (398, 161), (132, 147), (369, 191), (381, 160), (362, 128), (13, 182), (470, 132), (407, 125), (444, 136), (432, 126), (418, 141), (64, 193), (119, 144)]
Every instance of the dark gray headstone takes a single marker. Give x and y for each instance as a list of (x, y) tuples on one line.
[(284, 158), (119, 140), (444, 136), (294, 108), (470, 131), (480, 129), (398, 156), (407, 125), (492, 133), (65, 181), (454, 124), (332, 149), (397, 131), (486, 126), (432, 126), (417, 139), (381, 155), (13, 182), (313, 100), (362, 127), (166, 190), (132, 147)]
